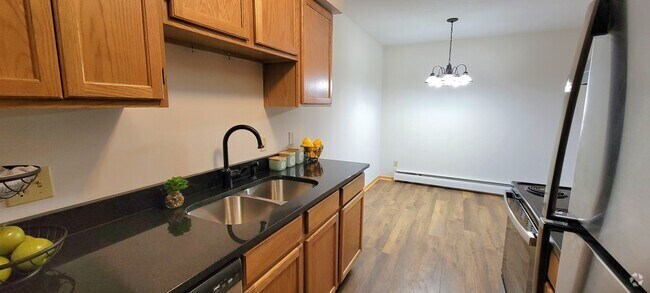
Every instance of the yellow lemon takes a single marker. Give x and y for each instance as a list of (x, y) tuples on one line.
[(307, 142), (318, 142)]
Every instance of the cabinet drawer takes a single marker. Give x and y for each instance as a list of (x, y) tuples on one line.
[(353, 188), (320, 213), (262, 257)]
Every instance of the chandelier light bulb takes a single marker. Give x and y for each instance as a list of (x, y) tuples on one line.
[(431, 79), (447, 79), (448, 75), (466, 78)]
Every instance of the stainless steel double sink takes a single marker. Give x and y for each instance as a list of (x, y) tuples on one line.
[(252, 203)]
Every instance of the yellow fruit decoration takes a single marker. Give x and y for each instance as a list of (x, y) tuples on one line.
[(307, 142), (318, 142)]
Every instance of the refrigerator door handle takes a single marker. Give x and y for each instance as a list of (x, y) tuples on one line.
[(528, 236), (624, 278)]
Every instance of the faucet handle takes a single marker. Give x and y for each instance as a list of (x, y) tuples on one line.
[(254, 167)]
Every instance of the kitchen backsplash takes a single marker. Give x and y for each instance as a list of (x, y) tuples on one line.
[(99, 153)]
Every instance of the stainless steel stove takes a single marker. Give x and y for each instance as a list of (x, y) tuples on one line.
[(524, 206)]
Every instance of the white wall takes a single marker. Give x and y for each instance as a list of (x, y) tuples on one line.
[(98, 153), (501, 128)]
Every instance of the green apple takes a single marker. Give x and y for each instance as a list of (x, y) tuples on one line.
[(4, 274), (29, 247), (10, 238)]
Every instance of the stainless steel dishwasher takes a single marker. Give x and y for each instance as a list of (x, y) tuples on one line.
[(226, 280)]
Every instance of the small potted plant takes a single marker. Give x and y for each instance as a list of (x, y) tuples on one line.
[(174, 196)]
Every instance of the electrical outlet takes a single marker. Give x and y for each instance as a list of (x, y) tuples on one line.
[(291, 138), (395, 164), (263, 142), (41, 188)]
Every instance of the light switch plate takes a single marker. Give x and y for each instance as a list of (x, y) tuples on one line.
[(41, 188)]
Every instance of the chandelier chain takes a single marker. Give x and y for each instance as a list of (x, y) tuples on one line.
[(451, 39), (449, 75)]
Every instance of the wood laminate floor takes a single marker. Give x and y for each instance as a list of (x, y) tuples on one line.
[(420, 238)]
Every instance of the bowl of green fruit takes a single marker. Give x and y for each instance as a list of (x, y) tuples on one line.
[(25, 251)]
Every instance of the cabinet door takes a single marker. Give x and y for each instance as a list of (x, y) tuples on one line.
[(111, 49), (28, 61), (285, 277), (321, 258), (351, 234), (316, 54), (230, 17), (277, 24)]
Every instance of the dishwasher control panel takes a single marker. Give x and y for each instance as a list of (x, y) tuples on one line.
[(226, 280)]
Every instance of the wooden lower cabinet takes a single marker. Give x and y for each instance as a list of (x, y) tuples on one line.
[(285, 263), (321, 258), (351, 234), (285, 277)]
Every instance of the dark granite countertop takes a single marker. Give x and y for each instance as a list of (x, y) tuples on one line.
[(159, 250)]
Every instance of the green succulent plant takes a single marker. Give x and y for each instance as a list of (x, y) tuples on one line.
[(175, 184)]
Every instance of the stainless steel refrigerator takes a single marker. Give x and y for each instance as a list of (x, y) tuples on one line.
[(606, 246)]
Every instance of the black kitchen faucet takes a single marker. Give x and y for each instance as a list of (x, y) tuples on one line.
[(227, 173)]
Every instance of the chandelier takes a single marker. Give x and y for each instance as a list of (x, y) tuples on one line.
[(449, 75)]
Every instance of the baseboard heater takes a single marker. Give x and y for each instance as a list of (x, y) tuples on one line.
[(452, 182)]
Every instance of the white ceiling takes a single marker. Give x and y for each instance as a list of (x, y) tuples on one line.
[(394, 22)]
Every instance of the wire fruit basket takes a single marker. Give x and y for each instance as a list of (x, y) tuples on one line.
[(10, 186), (312, 153), (38, 260)]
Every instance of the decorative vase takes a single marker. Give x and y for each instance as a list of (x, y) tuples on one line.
[(174, 199)]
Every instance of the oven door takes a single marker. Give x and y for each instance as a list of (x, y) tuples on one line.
[(519, 247)]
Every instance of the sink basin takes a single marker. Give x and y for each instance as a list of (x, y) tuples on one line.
[(251, 204), (235, 210), (280, 190)]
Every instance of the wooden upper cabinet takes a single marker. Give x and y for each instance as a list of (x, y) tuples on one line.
[(28, 59), (231, 17), (316, 54), (110, 49), (277, 24), (308, 81)]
